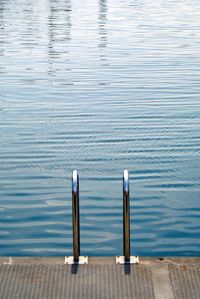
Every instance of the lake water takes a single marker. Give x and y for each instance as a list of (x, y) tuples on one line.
[(99, 86)]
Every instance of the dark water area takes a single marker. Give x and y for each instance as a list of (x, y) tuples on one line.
[(99, 86)]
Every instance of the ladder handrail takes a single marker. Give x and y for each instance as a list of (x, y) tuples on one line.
[(126, 217), (75, 216)]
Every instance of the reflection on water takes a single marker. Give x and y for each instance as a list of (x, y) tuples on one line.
[(2, 32), (102, 28), (59, 32), (99, 86)]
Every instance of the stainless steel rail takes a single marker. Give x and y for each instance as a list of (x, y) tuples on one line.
[(126, 217), (76, 258), (75, 216), (126, 258)]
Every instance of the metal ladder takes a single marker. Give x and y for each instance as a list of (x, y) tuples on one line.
[(76, 258)]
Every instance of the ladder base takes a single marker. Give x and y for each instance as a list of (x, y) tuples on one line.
[(121, 260), (83, 260)]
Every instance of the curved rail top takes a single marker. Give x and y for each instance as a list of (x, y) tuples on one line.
[(75, 181), (126, 181)]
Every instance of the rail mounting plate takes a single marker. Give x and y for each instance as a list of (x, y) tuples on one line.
[(133, 260), (83, 260)]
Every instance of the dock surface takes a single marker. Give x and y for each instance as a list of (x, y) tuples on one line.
[(50, 278)]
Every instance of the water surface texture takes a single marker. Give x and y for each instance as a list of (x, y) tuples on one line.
[(99, 86)]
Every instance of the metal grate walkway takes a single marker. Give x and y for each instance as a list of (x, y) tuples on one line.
[(50, 279)]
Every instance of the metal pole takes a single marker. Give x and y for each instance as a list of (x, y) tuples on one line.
[(126, 217), (75, 220)]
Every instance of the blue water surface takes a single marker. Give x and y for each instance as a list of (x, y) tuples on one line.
[(99, 86)]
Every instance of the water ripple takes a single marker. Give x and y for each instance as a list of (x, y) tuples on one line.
[(99, 86)]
